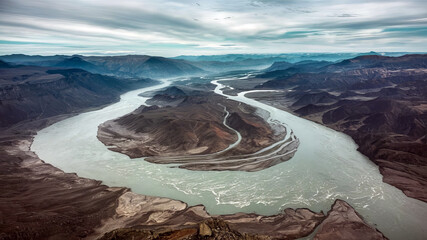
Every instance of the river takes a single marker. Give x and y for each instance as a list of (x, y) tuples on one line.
[(326, 166)]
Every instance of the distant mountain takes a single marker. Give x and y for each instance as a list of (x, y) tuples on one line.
[(232, 62), (4, 64), (369, 71), (375, 61), (279, 66), (226, 57), (288, 57), (121, 66), (143, 66), (77, 62), (307, 65), (238, 64), (285, 69), (36, 60)]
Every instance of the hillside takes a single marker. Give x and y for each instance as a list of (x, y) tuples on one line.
[(32, 93), (379, 101), (129, 66)]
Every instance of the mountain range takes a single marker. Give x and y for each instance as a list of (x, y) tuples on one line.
[(379, 101), (137, 66)]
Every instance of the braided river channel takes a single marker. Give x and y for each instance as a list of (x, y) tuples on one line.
[(326, 166)]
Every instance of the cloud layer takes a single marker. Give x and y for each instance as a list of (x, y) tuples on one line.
[(174, 27)]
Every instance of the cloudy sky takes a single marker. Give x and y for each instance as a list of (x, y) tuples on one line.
[(175, 27)]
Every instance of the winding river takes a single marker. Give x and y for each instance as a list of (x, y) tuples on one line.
[(326, 166)]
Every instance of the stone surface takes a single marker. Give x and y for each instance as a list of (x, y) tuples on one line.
[(343, 222)]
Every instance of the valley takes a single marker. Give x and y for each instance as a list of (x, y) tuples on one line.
[(383, 110), (210, 125), (213, 120), (203, 131)]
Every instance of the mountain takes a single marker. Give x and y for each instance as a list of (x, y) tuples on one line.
[(30, 93), (357, 73), (144, 66), (4, 64), (169, 97), (193, 126), (226, 57), (232, 62), (288, 57), (315, 98), (77, 62), (238, 64), (129, 66), (285, 69), (36, 60), (279, 66), (379, 101), (375, 61)]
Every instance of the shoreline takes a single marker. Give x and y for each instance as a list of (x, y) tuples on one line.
[(50, 197), (386, 169), (259, 138), (125, 209)]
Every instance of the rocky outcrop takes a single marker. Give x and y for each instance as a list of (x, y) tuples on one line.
[(343, 222), (289, 224), (162, 216), (209, 229)]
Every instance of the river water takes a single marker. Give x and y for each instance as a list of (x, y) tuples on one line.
[(326, 166)]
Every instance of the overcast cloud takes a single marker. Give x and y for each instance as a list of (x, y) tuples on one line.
[(172, 27)]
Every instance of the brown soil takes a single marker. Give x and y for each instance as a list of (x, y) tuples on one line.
[(195, 126)]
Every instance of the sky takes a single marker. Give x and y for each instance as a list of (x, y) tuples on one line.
[(171, 27)]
